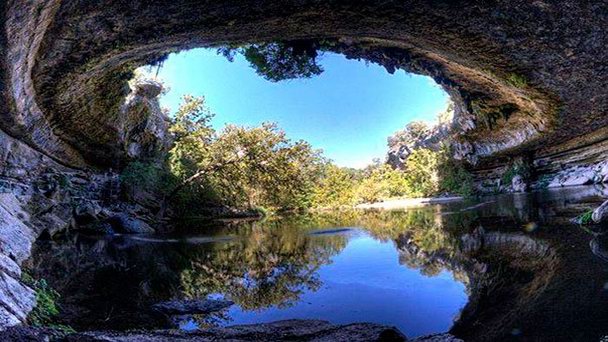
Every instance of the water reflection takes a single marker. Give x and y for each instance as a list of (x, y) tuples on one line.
[(503, 268)]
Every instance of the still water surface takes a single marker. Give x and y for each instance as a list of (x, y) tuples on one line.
[(499, 268)]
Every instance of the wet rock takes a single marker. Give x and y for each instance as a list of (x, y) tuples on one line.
[(599, 247), (288, 330), (438, 338), (191, 307), (123, 223), (518, 184), (600, 214), (97, 228)]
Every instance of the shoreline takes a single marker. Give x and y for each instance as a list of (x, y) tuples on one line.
[(408, 202)]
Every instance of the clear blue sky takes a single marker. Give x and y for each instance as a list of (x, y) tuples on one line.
[(348, 111)]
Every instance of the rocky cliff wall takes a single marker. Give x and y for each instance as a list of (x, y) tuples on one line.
[(41, 197)]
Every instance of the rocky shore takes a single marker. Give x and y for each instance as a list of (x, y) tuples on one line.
[(289, 330)]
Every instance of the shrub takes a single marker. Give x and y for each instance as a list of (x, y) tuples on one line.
[(46, 309)]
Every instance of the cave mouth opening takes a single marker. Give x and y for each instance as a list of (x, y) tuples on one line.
[(350, 108)]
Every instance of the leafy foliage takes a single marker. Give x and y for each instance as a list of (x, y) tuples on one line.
[(46, 309), (516, 80), (240, 166), (453, 177), (278, 61), (335, 188), (259, 167)]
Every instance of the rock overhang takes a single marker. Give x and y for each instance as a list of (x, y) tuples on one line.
[(523, 77)]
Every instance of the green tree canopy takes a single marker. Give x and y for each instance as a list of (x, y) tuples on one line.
[(277, 61)]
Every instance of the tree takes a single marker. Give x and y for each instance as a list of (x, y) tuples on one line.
[(335, 188), (421, 173), (278, 61), (240, 166)]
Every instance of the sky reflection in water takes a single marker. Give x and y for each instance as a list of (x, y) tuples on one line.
[(366, 283)]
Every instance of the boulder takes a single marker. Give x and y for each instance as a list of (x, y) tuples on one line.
[(98, 228), (577, 179), (51, 224), (87, 212), (148, 88), (123, 223), (191, 306)]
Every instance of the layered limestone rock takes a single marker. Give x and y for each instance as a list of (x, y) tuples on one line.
[(41, 197), (525, 76), (16, 238)]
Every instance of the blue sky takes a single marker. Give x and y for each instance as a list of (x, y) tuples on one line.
[(348, 111)]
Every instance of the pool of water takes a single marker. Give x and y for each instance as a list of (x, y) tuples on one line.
[(508, 267)]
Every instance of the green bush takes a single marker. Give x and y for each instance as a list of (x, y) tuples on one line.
[(46, 309)]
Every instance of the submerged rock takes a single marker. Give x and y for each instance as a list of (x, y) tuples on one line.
[(98, 228), (192, 306), (289, 330), (123, 223)]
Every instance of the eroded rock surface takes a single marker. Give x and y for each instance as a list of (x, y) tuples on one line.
[(526, 77), (289, 330)]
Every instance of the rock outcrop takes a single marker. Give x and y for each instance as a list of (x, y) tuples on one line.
[(39, 197), (16, 238), (403, 143), (289, 330)]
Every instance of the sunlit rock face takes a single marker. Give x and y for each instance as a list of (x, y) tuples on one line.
[(526, 77)]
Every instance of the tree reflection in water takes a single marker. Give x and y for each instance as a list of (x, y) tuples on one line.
[(531, 281), (111, 283), (268, 264)]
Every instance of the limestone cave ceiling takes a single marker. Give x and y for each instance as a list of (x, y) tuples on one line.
[(527, 77)]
